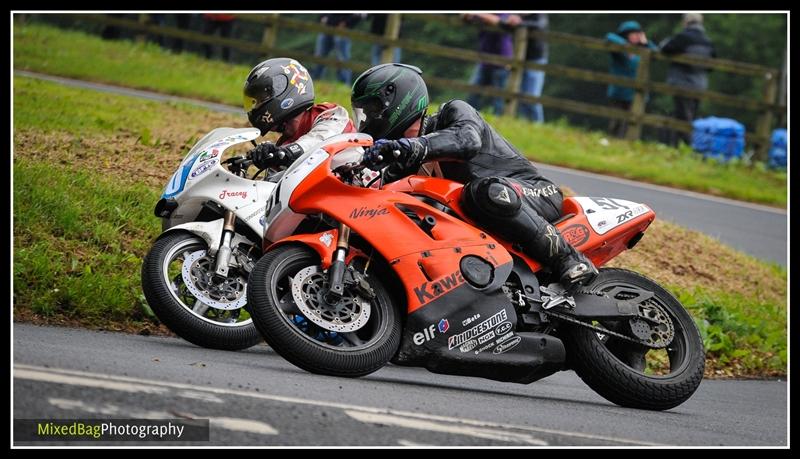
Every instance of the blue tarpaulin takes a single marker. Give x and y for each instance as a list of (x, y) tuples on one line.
[(720, 138), (777, 152)]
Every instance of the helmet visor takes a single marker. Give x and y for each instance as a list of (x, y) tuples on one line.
[(368, 117), (257, 95), (248, 103), (359, 118)]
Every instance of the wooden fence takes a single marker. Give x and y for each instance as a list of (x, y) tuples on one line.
[(767, 106)]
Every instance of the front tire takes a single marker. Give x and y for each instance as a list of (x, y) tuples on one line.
[(176, 308), (302, 342), (633, 375)]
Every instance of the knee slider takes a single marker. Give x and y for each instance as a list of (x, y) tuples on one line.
[(492, 197)]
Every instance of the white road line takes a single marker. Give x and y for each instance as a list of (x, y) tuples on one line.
[(202, 396), (432, 426), (404, 442), (231, 109), (81, 378), (108, 409), (662, 188), (243, 425), (72, 380), (113, 385)]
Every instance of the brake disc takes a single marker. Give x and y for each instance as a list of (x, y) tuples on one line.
[(349, 314), (198, 276)]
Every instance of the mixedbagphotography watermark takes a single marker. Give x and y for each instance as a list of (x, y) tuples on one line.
[(111, 430)]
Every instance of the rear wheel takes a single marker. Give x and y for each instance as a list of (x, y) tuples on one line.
[(658, 376), (354, 337)]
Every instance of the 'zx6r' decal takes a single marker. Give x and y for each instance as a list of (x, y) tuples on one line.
[(622, 217)]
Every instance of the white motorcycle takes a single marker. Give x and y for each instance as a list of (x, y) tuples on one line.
[(195, 275)]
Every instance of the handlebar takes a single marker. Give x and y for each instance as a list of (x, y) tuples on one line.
[(238, 160), (238, 164)]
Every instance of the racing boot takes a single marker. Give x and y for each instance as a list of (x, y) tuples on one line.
[(572, 267), (498, 205)]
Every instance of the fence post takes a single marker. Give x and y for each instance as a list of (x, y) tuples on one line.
[(782, 91), (392, 32), (270, 35), (764, 124), (143, 19), (515, 80), (634, 131)]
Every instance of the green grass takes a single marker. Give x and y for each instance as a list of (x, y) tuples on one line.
[(61, 52), (78, 244), (741, 336), (80, 234), (39, 104)]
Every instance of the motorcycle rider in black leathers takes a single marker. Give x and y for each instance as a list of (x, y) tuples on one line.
[(503, 191)]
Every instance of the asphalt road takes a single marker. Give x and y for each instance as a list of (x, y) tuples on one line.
[(760, 231), (255, 397)]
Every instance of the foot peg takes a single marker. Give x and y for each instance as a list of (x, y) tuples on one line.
[(555, 295), (580, 274)]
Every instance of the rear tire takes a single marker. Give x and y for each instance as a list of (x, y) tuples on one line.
[(175, 315), (607, 364), (278, 326)]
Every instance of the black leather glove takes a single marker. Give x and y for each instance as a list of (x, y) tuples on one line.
[(268, 154), (407, 153)]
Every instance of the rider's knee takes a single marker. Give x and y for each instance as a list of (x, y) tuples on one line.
[(491, 198)]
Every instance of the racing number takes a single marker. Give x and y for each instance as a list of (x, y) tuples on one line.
[(609, 204)]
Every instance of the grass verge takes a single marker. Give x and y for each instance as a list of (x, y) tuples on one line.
[(51, 50)]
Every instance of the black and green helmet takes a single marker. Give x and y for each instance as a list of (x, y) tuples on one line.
[(387, 99)]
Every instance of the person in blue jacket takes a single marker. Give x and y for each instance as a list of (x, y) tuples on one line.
[(624, 65)]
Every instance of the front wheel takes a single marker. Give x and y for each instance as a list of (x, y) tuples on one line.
[(656, 377), (178, 283), (354, 337)]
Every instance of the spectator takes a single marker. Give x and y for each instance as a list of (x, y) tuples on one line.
[(223, 22), (533, 80), (379, 28), (624, 65), (158, 20), (112, 32), (342, 45), (691, 41), (182, 21), (500, 43)]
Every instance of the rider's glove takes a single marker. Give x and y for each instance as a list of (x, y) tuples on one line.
[(408, 153), (268, 154)]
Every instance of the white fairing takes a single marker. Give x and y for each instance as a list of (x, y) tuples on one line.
[(281, 220), (211, 232), (201, 178), (605, 214)]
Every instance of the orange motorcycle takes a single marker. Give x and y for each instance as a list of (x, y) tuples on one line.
[(356, 275)]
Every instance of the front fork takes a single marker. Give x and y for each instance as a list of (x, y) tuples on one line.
[(224, 252), (338, 265)]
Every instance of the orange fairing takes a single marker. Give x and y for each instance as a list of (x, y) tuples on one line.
[(354, 142), (323, 243), (576, 229), (600, 248), (417, 257), (445, 191), (431, 259)]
